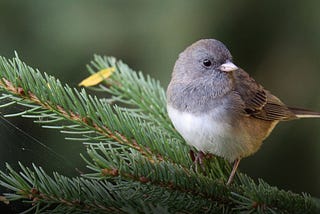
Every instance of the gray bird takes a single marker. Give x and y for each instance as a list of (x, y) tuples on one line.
[(218, 108)]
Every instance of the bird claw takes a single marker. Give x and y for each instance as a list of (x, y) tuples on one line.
[(198, 160)]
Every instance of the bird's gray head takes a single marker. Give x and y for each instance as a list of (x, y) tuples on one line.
[(204, 58), (202, 73)]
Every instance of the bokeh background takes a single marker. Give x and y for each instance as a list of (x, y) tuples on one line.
[(277, 42)]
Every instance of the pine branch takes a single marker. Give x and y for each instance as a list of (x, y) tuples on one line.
[(91, 113), (145, 95), (138, 162)]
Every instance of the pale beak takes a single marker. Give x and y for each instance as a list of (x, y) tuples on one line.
[(228, 66)]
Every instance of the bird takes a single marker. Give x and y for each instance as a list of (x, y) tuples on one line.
[(218, 108)]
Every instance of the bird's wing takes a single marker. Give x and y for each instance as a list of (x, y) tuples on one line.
[(258, 102)]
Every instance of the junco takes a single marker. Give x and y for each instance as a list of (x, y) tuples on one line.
[(218, 108)]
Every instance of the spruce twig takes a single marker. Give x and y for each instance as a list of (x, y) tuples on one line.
[(138, 162)]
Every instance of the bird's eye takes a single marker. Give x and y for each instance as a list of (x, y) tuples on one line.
[(207, 62)]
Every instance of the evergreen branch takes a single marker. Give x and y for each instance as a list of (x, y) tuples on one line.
[(264, 198), (75, 194), (87, 195), (247, 196), (145, 96), (68, 104), (131, 165), (139, 165)]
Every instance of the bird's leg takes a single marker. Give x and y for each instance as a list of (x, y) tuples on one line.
[(192, 155), (197, 159), (234, 169)]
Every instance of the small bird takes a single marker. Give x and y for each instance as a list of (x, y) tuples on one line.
[(218, 108)]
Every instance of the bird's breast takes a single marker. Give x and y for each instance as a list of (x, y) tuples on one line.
[(216, 132)]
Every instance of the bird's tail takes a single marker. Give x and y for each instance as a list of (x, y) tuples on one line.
[(304, 113)]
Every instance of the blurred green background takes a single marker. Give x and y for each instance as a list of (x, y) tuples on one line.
[(277, 42)]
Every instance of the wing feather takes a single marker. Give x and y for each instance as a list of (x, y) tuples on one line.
[(258, 102)]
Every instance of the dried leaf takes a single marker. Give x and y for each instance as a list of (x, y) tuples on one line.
[(98, 77)]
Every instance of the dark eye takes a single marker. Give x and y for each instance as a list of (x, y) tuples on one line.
[(207, 62)]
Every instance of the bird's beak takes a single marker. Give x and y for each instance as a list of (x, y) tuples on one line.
[(228, 66)]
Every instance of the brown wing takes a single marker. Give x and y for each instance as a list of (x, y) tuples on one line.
[(260, 103)]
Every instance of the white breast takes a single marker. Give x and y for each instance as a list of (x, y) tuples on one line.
[(210, 133)]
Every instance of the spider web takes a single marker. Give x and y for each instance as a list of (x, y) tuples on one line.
[(18, 143)]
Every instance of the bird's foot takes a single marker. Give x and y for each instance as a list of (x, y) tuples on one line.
[(198, 160)]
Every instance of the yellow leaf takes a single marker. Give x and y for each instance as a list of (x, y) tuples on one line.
[(98, 77)]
